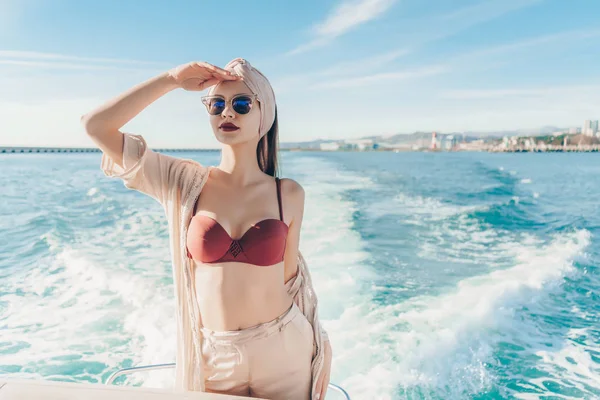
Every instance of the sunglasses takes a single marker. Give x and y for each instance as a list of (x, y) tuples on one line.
[(241, 104)]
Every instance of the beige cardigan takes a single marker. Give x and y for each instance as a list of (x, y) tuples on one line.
[(176, 183)]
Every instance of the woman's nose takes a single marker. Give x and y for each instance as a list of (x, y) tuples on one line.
[(228, 112)]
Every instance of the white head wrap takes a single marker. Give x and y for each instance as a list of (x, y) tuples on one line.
[(258, 85)]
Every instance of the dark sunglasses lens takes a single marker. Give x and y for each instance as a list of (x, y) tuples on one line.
[(216, 106), (242, 104)]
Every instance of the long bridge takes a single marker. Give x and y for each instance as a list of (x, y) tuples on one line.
[(6, 150)]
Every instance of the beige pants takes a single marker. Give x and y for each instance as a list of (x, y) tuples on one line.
[(270, 360)]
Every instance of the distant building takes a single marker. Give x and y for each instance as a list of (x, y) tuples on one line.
[(590, 128), (346, 146), (361, 144), (331, 146), (573, 131), (475, 145), (450, 142)]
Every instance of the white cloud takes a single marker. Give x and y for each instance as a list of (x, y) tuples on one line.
[(345, 17), (33, 59), (47, 123), (63, 66), (366, 64), (480, 94), (495, 94), (351, 14), (419, 31), (177, 120), (313, 44), (410, 111), (486, 10), (44, 109), (415, 32), (474, 59), (359, 72), (361, 66), (515, 108), (44, 95), (12, 54), (552, 39), (381, 78), (507, 54)]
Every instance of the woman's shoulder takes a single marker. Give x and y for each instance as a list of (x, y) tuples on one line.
[(291, 190), (193, 164), (188, 171), (290, 185)]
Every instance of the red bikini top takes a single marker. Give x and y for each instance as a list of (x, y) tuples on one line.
[(263, 244)]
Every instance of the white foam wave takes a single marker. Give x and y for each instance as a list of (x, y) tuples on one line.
[(419, 210), (85, 305), (51, 239), (443, 344), (571, 360), (336, 258), (450, 233)]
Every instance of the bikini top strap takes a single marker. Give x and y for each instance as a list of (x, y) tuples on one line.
[(279, 198)]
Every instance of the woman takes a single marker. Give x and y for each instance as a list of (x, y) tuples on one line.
[(247, 312)]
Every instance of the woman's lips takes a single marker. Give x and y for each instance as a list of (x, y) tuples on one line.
[(228, 127)]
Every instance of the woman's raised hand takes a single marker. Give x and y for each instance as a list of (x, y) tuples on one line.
[(197, 76)]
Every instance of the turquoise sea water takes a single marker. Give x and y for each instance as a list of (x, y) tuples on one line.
[(440, 275)]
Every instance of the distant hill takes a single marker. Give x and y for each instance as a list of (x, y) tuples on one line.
[(419, 136), (543, 131), (313, 144)]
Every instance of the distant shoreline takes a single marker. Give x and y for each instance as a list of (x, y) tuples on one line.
[(44, 150), (37, 150), (555, 149)]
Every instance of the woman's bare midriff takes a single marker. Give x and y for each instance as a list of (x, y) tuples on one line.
[(234, 296)]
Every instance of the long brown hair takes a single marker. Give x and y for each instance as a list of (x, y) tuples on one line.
[(267, 150)]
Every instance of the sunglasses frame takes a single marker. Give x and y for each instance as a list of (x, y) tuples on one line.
[(206, 99)]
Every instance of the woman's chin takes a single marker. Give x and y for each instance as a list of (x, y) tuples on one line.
[(232, 138)]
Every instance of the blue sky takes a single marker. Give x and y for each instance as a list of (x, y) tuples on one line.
[(340, 69)]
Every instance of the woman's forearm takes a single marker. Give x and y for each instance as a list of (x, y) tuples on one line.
[(116, 112)]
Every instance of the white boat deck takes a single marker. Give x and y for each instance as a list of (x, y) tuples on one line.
[(29, 389)]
